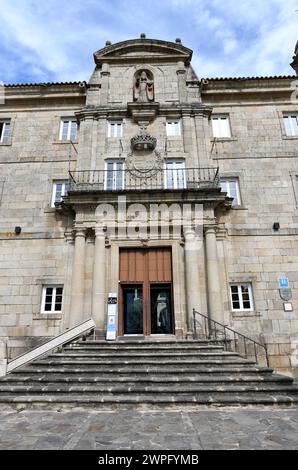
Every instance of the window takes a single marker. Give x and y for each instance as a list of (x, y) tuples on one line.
[(52, 299), (115, 129), (173, 128), (114, 175), (231, 186), (60, 189), (241, 296), (291, 125), (175, 175), (68, 129), (221, 126), (4, 131)]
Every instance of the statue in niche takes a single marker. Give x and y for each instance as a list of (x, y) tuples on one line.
[(143, 88)]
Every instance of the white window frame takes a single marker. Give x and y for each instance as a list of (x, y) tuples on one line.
[(53, 301), (69, 122), (229, 181), (220, 131), (241, 308), (64, 184), (176, 176), (173, 128), (115, 162), (5, 138), (291, 129), (115, 129)]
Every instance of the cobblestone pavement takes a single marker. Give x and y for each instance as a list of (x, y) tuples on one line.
[(147, 430)]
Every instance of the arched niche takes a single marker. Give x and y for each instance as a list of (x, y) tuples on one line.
[(143, 86)]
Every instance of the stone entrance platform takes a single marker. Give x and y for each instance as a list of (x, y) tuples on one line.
[(187, 429)]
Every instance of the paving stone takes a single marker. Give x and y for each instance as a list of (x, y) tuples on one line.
[(139, 430)]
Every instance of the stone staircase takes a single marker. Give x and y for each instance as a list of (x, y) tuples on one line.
[(145, 374)]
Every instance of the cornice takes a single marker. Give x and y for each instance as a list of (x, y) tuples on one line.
[(144, 50)]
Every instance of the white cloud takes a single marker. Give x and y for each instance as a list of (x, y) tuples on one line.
[(55, 40)]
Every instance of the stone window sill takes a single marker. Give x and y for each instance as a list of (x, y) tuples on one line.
[(58, 142), (290, 137), (48, 316), (245, 313), (239, 208), (224, 139), (5, 144)]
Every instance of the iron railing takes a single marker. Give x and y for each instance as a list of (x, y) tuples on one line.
[(126, 180), (232, 340)]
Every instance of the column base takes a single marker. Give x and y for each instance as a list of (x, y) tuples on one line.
[(189, 335)]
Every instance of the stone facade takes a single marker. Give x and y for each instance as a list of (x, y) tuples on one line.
[(73, 245)]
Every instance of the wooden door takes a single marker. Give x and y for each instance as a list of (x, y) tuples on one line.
[(141, 273)]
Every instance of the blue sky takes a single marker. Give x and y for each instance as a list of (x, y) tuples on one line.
[(54, 40)]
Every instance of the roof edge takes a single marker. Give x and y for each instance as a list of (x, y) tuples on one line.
[(45, 84), (273, 77)]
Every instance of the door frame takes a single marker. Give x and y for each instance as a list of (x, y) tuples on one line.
[(146, 284)]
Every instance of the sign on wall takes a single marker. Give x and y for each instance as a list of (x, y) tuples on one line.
[(112, 316), (285, 294), (283, 282)]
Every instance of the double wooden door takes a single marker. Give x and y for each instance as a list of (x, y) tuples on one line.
[(145, 300)]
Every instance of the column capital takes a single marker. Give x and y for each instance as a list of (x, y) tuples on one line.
[(69, 236), (80, 232), (99, 231), (210, 228)]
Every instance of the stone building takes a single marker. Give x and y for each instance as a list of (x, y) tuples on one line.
[(169, 191)]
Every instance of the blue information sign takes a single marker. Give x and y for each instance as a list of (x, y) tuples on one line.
[(283, 282), (112, 317)]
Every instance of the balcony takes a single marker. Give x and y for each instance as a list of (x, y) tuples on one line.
[(118, 180)]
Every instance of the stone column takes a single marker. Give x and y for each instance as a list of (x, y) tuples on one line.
[(99, 278), (78, 278), (191, 251), (215, 306)]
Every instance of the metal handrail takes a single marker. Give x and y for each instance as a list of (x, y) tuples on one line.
[(125, 180), (212, 331)]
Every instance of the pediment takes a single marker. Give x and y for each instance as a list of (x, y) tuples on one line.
[(142, 48)]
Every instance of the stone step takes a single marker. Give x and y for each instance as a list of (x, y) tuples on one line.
[(117, 366), (146, 378), (178, 371), (152, 356), (134, 400), (149, 343), (131, 373), (144, 389), (132, 349)]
